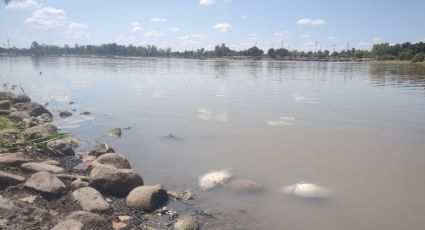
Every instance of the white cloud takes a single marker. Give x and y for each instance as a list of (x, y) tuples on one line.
[(207, 2), (153, 33), (223, 27), (278, 34), (304, 36), (135, 27), (77, 31), (376, 40), (192, 39), (157, 19), (313, 22), (47, 18), (173, 29), (22, 5)]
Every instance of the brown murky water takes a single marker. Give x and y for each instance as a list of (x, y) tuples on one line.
[(356, 129)]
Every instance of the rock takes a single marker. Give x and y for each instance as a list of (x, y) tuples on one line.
[(62, 146), (33, 121), (7, 138), (185, 195), (45, 183), (244, 185), (41, 132), (101, 149), (149, 198), (51, 162), (46, 117), (40, 166), (19, 116), (34, 109), (72, 177), (4, 104), (29, 199), (18, 98), (14, 159), (68, 225), (306, 190), (64, 113), (5, 112), (86, 218), (115, 132), (110, 180), (118, 225), (186, 223), (114, 159), (76, 184), (7, 179), (90, 199), (85, 113), (6, 203), (213, 179)]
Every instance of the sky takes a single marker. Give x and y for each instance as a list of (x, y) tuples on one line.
[(192, 24)]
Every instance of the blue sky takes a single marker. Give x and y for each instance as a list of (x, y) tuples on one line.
[(191, 24)]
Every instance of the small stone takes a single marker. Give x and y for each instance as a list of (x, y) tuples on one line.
[(76, 184), (19, 116), (186, 223), (14, 159), (39, 166), (101, 149), (65, 148), (114, 159), (7, 179), (244, 185), (45, 183), (29, 199), (149, 198), (68, 225), (118, 225), (124, 218), (85, 217), (6, 203), (90, 199), (64, 113)]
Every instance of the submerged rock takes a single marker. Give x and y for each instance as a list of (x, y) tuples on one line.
[(90, 199), (244, 185), (64, 113), (213, 179), (148, 198), (40, 166), (114, 159), (306, 190), (101, 149), (115, 132), (186, 223), (45, 183)]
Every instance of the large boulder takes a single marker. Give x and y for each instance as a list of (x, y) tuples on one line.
[(114, 159), (68, 225), (186, 223), (90, 199), (148, 198), (7, 179), (101, 149), (40, 132), (34, 109), (14, 159), (109, 180), (46, 184), (19, 116), (40, 166), (64, 147)]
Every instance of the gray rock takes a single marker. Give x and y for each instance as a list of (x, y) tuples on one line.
[(64, 113), (7, 138), (101, 149), (40, 132), (244, 185), (76, 184), (4, 104), (68, 225), (85, 217), (110, 180), (62, 146), (46, 117), (6, 203), (186, 223), (114, 159), (33, 121), (40, 166), (18, 98), (7, 179), (14, 159), (45, 183), (5, 112), (51, 162), (115, 132), (19, 116), (149, 198), (34, 109), (90, 199)]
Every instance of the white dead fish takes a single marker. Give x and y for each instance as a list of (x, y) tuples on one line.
[(306, 190), (213, 179)]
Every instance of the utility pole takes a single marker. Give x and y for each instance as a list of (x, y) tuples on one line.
[(334, 48), (348, 45), (8, 43), (315, 49)]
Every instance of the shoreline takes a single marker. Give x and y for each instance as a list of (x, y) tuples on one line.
[(45, 184)]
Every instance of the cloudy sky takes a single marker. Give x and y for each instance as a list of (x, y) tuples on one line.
[(191, 24)]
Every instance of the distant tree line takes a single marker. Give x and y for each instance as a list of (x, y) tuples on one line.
[(406, 51)]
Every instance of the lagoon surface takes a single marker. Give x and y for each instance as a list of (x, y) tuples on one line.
[(357, 129)]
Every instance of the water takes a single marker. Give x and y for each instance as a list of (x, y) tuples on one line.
[(356, 129)]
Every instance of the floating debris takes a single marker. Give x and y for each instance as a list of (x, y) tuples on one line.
[(213, 179), (306, 190)]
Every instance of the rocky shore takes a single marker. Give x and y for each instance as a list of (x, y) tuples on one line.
[(46, 184)]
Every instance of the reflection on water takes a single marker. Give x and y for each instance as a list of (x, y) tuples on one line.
[(356, 128)]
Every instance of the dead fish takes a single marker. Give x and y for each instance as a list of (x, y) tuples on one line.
[(214, 179), (115, 132), (306, 190)]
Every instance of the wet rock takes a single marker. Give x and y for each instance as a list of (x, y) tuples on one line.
[(19, 116), (18, 98), (76, 184), (4, 104), (115, 132), (64, 147), (110, 180), (40, 166), (244, 185), (186, 223), (213, 179), (7, 179), (46, 117), (101, 149), (45, 183), (90, 199), (114, 159), (40, 132), (6, 203), (14, 159), (64, 113), (68, 225), (306, 190), (85, 113), (33, 121), (185, 195), (7, 138), (149, 198), (86, 218), (34, 109)]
